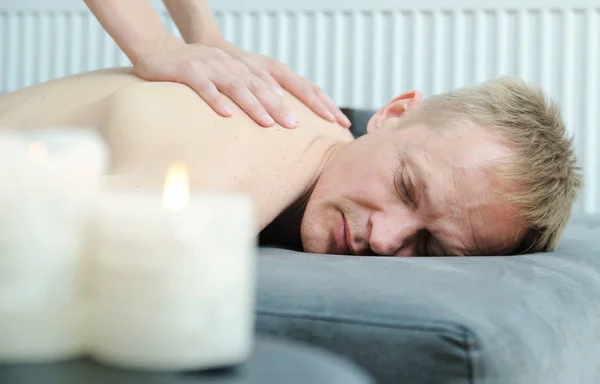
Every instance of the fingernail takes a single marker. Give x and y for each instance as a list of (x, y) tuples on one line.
[(291, 120), (347, 121), (268, 119), (226, 110), (330, 116)]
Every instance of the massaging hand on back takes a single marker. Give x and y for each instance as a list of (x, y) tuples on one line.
[(253, 81), (206, 62)]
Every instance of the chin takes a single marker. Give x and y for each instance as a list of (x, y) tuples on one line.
[(311, 241), (315, 247)]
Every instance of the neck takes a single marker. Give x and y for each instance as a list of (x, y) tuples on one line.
[(284, 231)]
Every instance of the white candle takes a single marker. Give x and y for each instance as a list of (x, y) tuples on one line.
[(47, 179), (171, 278)]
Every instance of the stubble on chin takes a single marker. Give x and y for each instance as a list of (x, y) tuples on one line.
[(315, 235)]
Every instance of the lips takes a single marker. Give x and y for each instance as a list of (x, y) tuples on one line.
[(340, 234), (347, 236)]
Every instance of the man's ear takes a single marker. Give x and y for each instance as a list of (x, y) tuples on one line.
[(394, 108)]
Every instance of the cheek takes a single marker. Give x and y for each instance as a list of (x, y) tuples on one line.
[(344, 175), (372, 191), (364, 170), (359, 183)]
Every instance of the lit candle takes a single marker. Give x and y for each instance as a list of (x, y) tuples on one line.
[(171, 281), (48, 178)]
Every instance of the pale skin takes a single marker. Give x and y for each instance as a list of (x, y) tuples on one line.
[(393, 192), (221, 73), (149, 125)]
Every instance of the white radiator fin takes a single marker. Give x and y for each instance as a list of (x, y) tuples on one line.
[(362, 58)]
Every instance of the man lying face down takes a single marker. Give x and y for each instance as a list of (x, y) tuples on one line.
[(482, 170)]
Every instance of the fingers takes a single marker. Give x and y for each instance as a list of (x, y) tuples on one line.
[(209, 92), (268, 80), (337, 112), (253, 82), (310, 94), (260, 97), (239, 92), (302, 89), (272, 101), (198, 77), (267, 92)]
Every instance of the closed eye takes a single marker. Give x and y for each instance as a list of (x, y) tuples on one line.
[(433, 247), (430, 246), (403, 188), (401, 185)]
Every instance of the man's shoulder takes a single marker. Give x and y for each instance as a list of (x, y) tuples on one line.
[(148, 91)]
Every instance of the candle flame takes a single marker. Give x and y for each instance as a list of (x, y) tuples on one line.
[(37, 152), (176, 193)]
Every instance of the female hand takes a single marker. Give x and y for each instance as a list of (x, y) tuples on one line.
[(254, 82), (303, 89)]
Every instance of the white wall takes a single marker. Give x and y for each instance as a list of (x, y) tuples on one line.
[(361, 52)]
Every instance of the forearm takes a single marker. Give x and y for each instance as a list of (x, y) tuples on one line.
[(195, 21), (134, 25)]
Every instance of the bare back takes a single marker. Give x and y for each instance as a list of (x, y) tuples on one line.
[(148, 125)]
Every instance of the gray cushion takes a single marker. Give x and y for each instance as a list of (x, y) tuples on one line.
[(520, 319), (359, 119), (271, 362)]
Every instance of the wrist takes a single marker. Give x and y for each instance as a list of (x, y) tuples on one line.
[(163, 42), (196, 22), (212, 39)]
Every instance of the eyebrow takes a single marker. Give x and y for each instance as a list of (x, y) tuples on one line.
[(415, 173)]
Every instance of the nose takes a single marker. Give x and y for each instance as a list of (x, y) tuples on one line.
[(393, 237)]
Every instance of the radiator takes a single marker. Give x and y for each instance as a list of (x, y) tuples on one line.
[(361, 52)]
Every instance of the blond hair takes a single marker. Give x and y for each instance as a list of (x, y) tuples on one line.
[(542, 162)]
